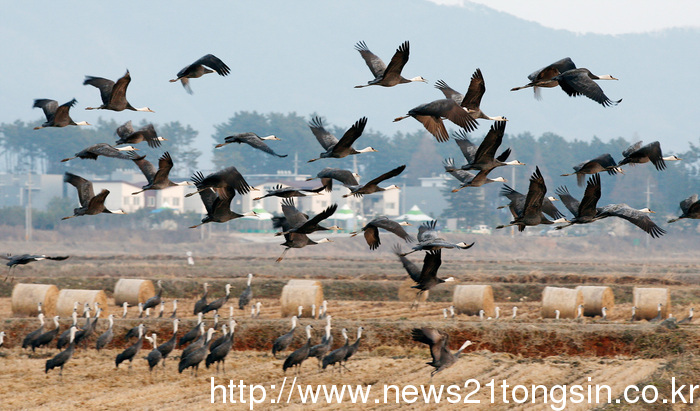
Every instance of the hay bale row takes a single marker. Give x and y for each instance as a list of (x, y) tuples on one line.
[(26, 298), (647, 301), (301, 293), (595, 298), (566, 300), (133, 291), (470, 299)]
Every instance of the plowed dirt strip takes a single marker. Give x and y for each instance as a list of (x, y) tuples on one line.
[(90, 380)]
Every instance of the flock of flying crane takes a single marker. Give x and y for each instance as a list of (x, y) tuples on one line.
[(218, 189)]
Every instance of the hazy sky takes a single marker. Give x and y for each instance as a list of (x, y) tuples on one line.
[(599, 16), (299, 57)]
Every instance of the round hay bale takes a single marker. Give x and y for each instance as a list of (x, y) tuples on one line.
[(647, 300), (301, 292), (595, 298), (470, 299), (66, 299), (566, 300), (133, 291), (26, 298), (409, 294)]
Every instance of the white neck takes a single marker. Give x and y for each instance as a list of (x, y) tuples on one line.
[(294, 322), (174, 305), (419, 78), (308, 331), (465, 345), (366, 150), (127, 148), (111, 321), (359, 333), (514, 163), (606, 77), (41, 319), (117, 212), (55, 321), (175, 322), (145, 109), (271, 137), (153, 340), (671, 158), (250, 278), (499, 180), (497, 118), (82, 123), (183, 183)]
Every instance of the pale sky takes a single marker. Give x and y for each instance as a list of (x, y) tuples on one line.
[(598, 16)]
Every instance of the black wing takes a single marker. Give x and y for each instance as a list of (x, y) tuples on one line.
[(449, 92), (84, 187), (389, 174), (104, 85), (375, 64), (412, 269), (326, 139), (352, 134), (476, 91)]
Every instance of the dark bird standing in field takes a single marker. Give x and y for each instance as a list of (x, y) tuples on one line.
[(90, 204), (29, 338), (298, 356), (204, 65), (386, 76), (338, 148), (202, 302), (113, 94), (131, 351), (60, 359), (46, 338), (107, 336), (167, 347), (127, 135), (337, 356), (57, 116), (252, 140), (196, 357), (246, 295), (442, 357), (282, 342)]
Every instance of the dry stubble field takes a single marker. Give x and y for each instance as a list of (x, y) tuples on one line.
[(362, 291)]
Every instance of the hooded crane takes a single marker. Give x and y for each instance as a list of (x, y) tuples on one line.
[(640, 217), (531, 213), (318, 351), (156, 299), (218, 354), (196, 357), (425, 278), (386, 76), (155, 356), (603, 162), (442, 357), (328, 174), (127, 135), (293, 218), (130, 352), (252, 140), (29, 338), (193, 333), (60, 359), (371, 231), (352, 349), (638, 154), (579, 82), (219, 302), (217, 202), (64, 338), (202, 302), (338, 148), (337, 356), (160, 179), (428, 239), (431, 115), (472, 100), (45, 339), (228, 177), (288, 192), (246, 295), (297, 357), (467, 178), (544, 76), (282, 342), (22, 259), (517, 203), (199, 68), (372, 186), (113, 94), (199, 342), (690, 208), (300, 223), (102, 149), (90, 204), (107, 336), (484, 157), (57, 116), (167, 347)]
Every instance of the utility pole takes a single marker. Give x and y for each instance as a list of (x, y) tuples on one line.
[(28, 209), (296, 164)]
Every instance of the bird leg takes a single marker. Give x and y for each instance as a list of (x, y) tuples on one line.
[(504, 226), (66, 218), (196, 225), (196, 192), (401, 118), (137, 192), (559, 227), (282, 256)]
